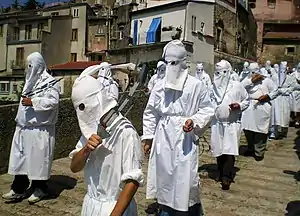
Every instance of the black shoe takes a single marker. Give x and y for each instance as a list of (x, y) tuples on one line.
[(225, 185), (248, 153), (258, 158), (152, 208)]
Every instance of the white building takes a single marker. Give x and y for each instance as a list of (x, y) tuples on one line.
[(154, 26)]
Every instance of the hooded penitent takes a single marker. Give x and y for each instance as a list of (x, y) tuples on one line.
[(221, 79), (268, 65), (246, 65), (105, 77), (282, 73), (91, 101), (161, 69), (36, 66), (276, 68), (175, 54), (199, 70)]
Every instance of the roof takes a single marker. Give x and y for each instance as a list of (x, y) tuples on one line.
[(170, 5), (282, 35), (79, 65)]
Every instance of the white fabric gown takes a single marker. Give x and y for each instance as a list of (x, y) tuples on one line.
[(34, 138), (152, 82), (225, 134), (205, 78), (295, 96), (257, 116), (108, 167), (173, 177), (281, 106)]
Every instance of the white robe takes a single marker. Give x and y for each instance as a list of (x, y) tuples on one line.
[(225, 135), (257, 116), (244, 74), (154, 79), (205, 78), (295, 96), (109, 166), (173, 177), (281, 106), (234, 76), (34, 139)]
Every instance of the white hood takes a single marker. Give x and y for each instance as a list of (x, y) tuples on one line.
[(282, 73), (268, 65), (199, 70), (91, 102), (91, 70), (161, 69), (35, 67), (276, 68), (175, 54), (221, 79)]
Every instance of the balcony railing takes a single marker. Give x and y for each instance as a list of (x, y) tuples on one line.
[(17, 64)]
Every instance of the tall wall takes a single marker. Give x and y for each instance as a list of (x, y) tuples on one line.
[(67, 130)]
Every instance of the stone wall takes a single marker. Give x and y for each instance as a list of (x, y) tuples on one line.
[(67, 130)]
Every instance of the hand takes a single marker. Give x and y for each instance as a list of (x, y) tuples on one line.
[(147, 147), (93, 142), (234, 106), (264, 98), (26, 101), (256, 78), (189, 126)]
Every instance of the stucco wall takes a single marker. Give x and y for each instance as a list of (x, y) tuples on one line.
[(67, 130), (170, 17), (3, 48), (56, 46)]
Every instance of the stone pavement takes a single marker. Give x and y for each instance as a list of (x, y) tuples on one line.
[(261, 188)]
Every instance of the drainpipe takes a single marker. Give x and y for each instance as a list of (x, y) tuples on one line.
[(184, 26)]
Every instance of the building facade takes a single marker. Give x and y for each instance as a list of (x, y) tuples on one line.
[(278, 29), (59, 33)]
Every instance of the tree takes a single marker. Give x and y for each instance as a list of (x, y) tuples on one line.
[(15, 5), (32, 4)]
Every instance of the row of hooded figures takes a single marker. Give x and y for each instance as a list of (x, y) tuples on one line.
[(179, 110)]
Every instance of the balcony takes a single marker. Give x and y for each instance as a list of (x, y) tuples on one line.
[(17, 65)]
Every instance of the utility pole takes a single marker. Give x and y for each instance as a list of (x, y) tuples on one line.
[(108, 26)]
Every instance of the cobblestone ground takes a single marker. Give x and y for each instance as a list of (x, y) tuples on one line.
[(261, 188)]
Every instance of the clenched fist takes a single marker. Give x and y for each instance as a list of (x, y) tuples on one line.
[(189, 126), (26, 101), (256, 78), (94, 142), (264, 98), (234, 106)]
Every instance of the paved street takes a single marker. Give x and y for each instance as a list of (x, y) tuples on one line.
[(261, 188)]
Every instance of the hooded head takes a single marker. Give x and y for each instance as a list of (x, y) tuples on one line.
[(105, 70), (263, 72), (276, 68), (283, 67), (268, 65), (298, 67), (91, 102), (254, 68), (91, 71), (221, 79), (175, 55), (161, 69), (199, 70), (246, 65), (35, 67)]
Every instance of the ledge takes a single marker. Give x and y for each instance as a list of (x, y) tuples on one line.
[(23, 42)]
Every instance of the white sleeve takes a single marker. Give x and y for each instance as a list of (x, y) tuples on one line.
[(245, 98), (80, 144), (206, 111), (150, 118), (48, 101), (151, 83), (132, 157)]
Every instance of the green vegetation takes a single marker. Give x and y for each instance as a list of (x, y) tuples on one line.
[(28, 5)]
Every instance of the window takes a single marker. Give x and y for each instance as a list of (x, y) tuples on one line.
[(219, 34), (194, 24), (4, 87), (40, 30), (290, 50), (1, 30), (142, 1), (15, 87), (74, 34), (28, 31), (54, 13), (121, 34), (73, 57), (20, 56), (100, 30), (272, 4), (252, 4), (16, 35), (76, 12), (202, 26)]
